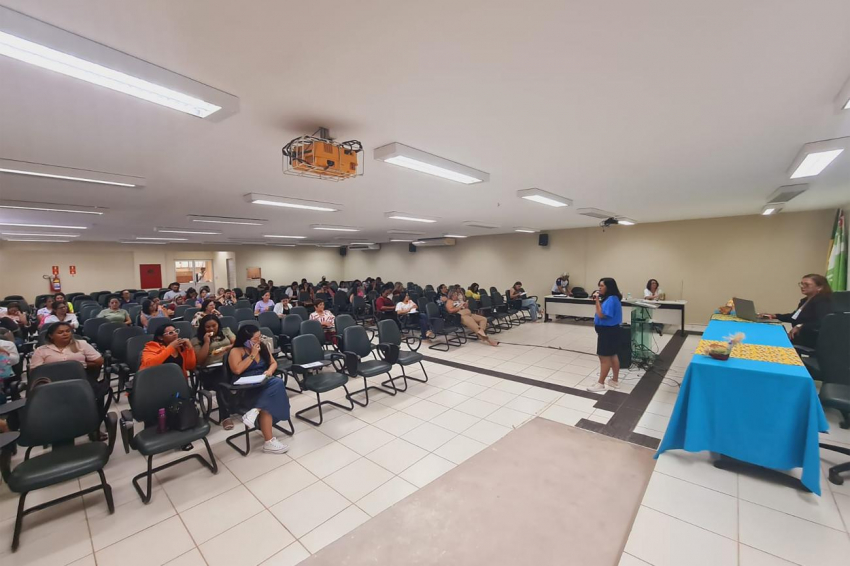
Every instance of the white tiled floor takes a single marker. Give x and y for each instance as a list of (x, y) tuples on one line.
[(278, 509)]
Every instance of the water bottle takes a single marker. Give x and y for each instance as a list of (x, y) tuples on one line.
[(160, 427), (628, 296)]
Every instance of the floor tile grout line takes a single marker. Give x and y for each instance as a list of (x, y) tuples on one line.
[(655, 471), (642, 504)]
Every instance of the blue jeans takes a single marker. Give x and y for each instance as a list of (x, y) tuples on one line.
[(532, 308)]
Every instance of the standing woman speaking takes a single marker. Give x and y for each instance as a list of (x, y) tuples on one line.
[(609, 317)]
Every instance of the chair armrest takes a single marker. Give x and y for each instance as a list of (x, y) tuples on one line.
[(352, 361), (6, 456), (415, 339), (205, 401), (388, 352), (12, 406), (111, 422), (127, 429)]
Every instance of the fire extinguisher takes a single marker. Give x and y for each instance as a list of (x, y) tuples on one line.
[(53, 283)]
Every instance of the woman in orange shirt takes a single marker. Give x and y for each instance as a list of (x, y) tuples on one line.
[(168, 348)]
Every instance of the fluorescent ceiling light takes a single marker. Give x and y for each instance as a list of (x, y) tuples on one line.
[(526, 230), (816, 156), (453, 236), (226, 220), (163, 239), (271, 200), (288, 237), (596, 213), (405, 233), (544, 197), (418, 243), (282, 245), (395, 240), (46, 234), (68, 173), (51, 207), (771, 208), (408, 217), (842, 101), (362, 243), (786, 192), (32, 41), (182, 231), (623, 221), (29, 240), (141, 243), (477, 224), (334, 228), (43, 226), (411, 158)]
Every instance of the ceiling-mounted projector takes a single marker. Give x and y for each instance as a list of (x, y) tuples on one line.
[(320, 157)]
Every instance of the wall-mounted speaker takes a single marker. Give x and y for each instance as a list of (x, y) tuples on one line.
[(343, 250), (543, 240), (411, 248)]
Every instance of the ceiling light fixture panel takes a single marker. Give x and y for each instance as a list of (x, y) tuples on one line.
[(45, 234), (206, 219), (526, 230), (20, 225), (285, 237), (286, 202), (772, 208), (842, 101), (51, 207), (184, 231), (33, 240), (43, 45), (334, 228), (544, 197), (479, 224), (786, 192), (409, 217), (453, 236), (44, 170), (595, 213), (162, 239), (423, 162), (814, 157)]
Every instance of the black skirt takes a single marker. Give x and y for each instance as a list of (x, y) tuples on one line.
[(607, 340)]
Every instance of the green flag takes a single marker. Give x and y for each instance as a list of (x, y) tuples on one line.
[(836, 264)]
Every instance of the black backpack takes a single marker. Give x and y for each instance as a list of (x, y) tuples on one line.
[(181, 414), (579, 293)]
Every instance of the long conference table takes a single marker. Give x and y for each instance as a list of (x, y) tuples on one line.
[(668, 312)]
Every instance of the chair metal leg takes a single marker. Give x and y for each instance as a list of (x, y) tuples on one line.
[(319, 406), (211, 465), (367, 387), (107, 492), (19, 522), (392, 384), (247, 432), (416, 378)]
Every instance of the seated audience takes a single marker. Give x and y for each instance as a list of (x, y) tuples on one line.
[(652, 292), (207, 308), (385, 306), (168, 310), (342, 287), (60, 314), (61, 346), (114, 313), (168, 348), (204, 294), (282, 308), (325, 317), (250, 356), (9, 358), (60, 298), (398, 292), (474, 322), (815, 304), (472, 292), (127, 298), (264, 304), (228, 298), (517, 293), (173, 291), (150, 309), (44, 311), (292, 291), (210, 345), (191, 298), (15, 319), (406, 308), (326, 289), (356, 290)]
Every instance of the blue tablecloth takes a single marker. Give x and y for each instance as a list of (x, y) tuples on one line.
[(763, 413)]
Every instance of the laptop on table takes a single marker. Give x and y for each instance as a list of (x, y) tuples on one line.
[(746, 309)]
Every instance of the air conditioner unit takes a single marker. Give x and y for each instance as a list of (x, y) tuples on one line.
[(367, 247), (434, 242)]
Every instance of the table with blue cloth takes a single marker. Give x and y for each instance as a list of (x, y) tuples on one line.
[(765, 413)]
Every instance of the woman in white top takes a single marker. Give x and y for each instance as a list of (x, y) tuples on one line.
[(61, 314), (652, 292), (406, 309), (281, 309)]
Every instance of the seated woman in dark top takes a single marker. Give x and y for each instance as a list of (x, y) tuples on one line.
[(815, 304), (250, 356)]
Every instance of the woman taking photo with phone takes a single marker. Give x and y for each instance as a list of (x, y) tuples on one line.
[(609, 317)]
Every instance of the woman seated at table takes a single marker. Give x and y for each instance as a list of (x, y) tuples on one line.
[(168, 348), (250, 356), (114, 313), (207, 309), (653, 292), (60, 314), (806, 320), (210, 345)]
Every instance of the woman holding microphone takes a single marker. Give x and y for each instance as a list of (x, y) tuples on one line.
[(609, 317)]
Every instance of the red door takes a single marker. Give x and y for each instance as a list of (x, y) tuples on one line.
[(150, 275)]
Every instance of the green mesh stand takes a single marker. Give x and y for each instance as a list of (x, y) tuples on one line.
[(642, 336)]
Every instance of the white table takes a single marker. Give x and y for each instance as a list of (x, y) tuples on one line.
[(668, 312)]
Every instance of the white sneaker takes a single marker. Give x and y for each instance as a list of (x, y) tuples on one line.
[(613, 384), (275, 446), (596, 387), (250, 418)]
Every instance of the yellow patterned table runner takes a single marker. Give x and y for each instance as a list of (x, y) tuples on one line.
[(729, 318), (757, 352)]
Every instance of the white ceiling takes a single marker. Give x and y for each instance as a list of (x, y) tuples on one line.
[(655, 110)]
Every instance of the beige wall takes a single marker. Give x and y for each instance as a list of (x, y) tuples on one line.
[(285, 265), (705, 262)]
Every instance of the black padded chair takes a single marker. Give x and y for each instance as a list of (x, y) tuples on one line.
[(130, 367), (227, 310), (830, 361), (245, 314), (388, 333), (340, 303), (238, 397), (57, 414), (342, 322), (290, 327), (362, 310), (300, 311), (185, 329), (190, 313), (357, 347), (243, 304), (506, 316), (229, 322), (90, 328), (237, 292), (156, 322), (314, 327), (180, 310), (104, 342), (485, 309), (119, 349), (451, 332), (270, 320), (153, 389), (307, 350), (837, 396)]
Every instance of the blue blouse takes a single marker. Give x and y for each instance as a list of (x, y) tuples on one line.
[(613, 311)]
